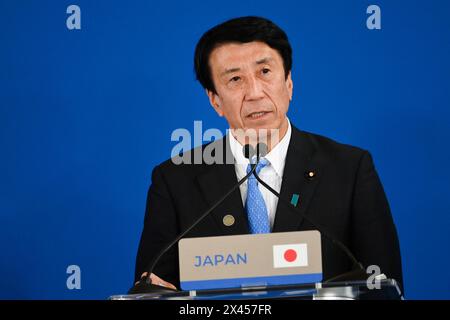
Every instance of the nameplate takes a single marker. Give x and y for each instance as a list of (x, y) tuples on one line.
[(250, 260)]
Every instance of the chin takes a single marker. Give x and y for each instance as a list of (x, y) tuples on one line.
[(265, 125)]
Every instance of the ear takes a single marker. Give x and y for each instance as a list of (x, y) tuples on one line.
[(290, 85), (215, 102)]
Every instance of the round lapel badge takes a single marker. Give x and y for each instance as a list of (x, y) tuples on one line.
[(228, 220), (310, 174)]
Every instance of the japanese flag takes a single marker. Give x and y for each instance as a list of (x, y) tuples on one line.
[(290, 255)]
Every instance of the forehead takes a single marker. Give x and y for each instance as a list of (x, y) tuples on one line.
[(235, 54)]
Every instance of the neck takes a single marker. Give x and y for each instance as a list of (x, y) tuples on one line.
[(271, 137)]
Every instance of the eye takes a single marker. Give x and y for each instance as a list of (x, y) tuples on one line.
[(265, 70), (235, 79)]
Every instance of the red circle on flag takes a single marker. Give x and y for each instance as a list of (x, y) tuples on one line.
[(290, 255)]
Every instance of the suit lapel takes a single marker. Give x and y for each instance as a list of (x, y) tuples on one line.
[(300, 161), (214, 183)]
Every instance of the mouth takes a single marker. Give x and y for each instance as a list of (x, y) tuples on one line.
[(258, 115)]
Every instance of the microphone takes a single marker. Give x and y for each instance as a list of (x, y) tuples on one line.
[(250, 152), (144, 285), (359, 272)]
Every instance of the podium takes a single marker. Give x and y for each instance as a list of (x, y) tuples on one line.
[(386, 289)]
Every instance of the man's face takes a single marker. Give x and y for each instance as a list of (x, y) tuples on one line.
[(252, 90)]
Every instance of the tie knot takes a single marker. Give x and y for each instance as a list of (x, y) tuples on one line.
[(262, 163)]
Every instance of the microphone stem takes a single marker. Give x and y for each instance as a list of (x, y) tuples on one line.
[(323, 231), (154, 262)]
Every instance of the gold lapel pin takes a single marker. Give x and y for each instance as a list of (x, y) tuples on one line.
[(228, 220), (310, 174)]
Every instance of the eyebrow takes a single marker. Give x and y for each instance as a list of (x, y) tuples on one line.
[(258, 62), (228, 71), (264, 60)]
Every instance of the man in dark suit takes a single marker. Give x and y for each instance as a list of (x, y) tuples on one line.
[(245, 67)]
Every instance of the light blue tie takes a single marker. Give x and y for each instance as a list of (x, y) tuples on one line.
[(258, 218)]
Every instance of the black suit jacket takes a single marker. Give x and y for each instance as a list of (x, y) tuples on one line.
[(345, 196)]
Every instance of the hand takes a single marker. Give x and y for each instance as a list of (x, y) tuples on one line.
[(158, 281)]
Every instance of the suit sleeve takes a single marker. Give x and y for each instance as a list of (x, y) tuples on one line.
[(160, 227), (374, 236)]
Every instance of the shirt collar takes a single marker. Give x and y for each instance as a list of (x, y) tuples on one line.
[(276, 156)]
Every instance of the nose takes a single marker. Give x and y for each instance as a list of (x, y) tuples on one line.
[(254, 89)]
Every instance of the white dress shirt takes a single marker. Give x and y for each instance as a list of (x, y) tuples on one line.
[(272, 174)]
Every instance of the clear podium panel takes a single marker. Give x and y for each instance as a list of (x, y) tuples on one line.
[(386, 289)]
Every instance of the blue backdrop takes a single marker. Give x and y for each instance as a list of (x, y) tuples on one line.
[(86, 114)]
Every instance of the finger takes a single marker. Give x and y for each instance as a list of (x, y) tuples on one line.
[(160, 282), (142, 276), (168, 285)]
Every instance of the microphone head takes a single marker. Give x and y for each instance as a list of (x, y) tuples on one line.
[(248, 151), (261, 149)]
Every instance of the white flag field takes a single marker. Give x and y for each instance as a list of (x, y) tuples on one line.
[(290, 255)]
